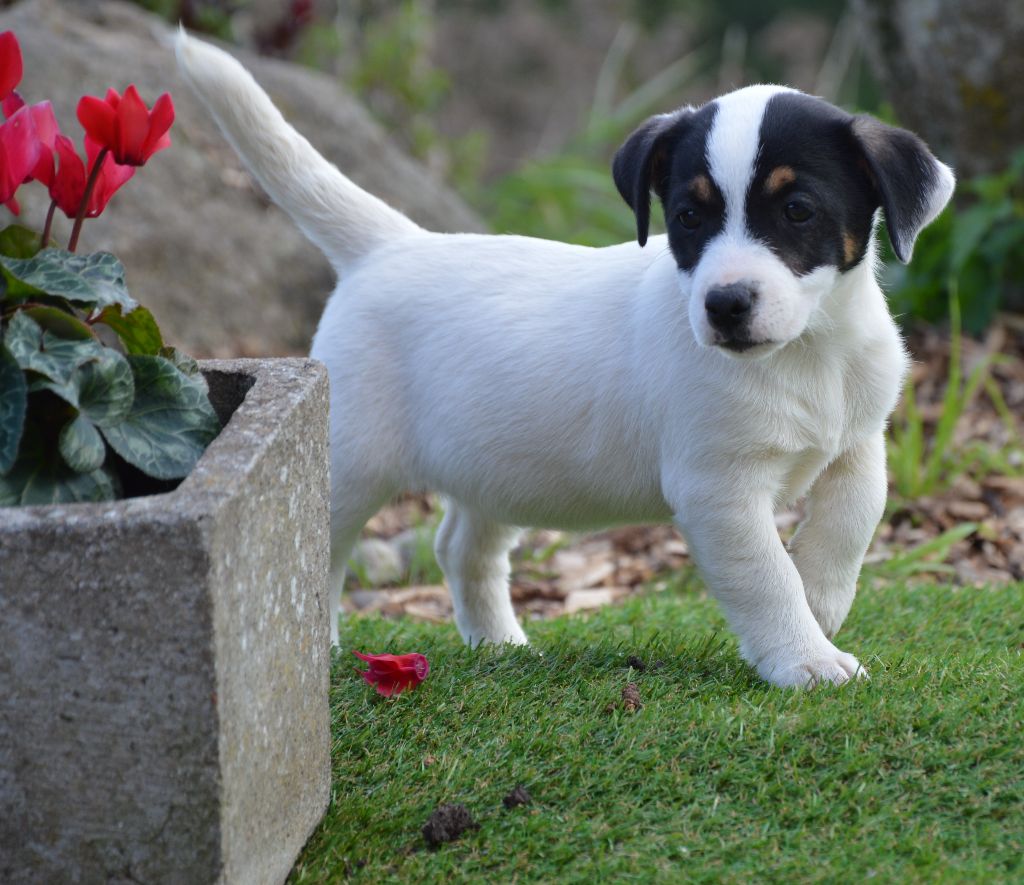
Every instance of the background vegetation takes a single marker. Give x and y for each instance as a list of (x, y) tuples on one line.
[(519, 106)]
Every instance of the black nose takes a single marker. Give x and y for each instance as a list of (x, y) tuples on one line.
[(729, 306)]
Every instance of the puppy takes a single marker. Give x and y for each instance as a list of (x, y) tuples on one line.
[(707, 377)]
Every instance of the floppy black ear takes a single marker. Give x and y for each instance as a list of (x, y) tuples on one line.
[(642, 164), (912, 186)]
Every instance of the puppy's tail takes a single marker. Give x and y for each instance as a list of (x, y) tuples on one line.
[(342, 219)]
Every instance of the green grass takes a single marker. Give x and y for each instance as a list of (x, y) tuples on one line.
[(917, 775)]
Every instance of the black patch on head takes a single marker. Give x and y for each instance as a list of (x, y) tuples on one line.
[(821, 214), (664, 155), (838, 170), (694, 206)]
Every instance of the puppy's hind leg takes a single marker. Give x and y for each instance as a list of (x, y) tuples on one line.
[(473, 554), (351, 507)]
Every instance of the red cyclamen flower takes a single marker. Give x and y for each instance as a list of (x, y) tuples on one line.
[(393, 674), (125, 126), (67, 181), (10, 64)]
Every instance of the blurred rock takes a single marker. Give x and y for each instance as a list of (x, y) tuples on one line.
[(225, 272), (408, 542), (379, 561)]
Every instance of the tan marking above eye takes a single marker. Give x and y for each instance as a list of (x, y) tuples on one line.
[(778, 178), (700, 187), (850, 247)]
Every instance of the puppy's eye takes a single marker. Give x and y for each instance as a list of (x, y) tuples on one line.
[(689, 219), (798, 212)]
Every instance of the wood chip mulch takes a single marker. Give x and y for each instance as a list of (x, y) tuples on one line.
[(556, 573)]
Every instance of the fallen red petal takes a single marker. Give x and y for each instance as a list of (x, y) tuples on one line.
[(393, 674)]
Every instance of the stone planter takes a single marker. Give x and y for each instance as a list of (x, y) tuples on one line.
[(164, 659)]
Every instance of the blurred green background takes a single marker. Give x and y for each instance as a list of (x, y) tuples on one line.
[(519, 104)]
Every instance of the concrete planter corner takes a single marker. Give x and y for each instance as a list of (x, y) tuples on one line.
[(164, 659)]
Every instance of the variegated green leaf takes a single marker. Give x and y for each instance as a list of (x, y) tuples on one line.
[(93, 281), (185, 364), (81, 445), (137, 329), (106, 388), (33, 481), (61, 322), (19, 242), (182, 360), (46, 353), (170, 424), (13, 402)]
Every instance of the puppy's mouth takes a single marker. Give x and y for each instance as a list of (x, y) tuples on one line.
[(744, 345)]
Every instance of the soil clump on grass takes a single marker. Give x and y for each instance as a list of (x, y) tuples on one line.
[(631, 702), (519, 796), (447, 823)]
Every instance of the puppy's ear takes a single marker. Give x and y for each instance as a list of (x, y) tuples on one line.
[(910, 184), (642, 164)]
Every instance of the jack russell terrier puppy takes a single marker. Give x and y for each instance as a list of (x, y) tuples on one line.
[(707, 376)]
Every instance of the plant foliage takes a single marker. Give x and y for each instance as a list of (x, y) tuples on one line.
[(72, 407), (925, 459), (67, 401), (977, 248)]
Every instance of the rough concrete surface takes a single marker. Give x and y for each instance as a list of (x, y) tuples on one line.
[(164, 659)]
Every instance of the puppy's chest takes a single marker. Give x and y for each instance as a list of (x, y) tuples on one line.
[(834, 401), (809, 418)]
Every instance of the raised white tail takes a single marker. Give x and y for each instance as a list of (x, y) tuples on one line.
[(341, 218)]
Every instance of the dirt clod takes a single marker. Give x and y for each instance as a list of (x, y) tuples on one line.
[(631, 698), (636, 663), (447, 823), (519, 796)]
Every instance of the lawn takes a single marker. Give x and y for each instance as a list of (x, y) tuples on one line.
[(915, 775)]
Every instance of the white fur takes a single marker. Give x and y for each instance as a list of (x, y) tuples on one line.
[(732, 148), (540, 384), (938, 198)]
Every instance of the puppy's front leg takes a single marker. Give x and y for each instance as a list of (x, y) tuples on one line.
[(843, 509), (747, 569)]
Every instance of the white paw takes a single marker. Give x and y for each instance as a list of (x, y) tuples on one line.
[(830, 609), (831, 665), (829, 621), (509, 634)]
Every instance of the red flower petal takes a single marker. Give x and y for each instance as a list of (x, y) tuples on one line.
[(160, 120), (132, 128), (11, 67), (43, 170), (46, 131), (99, 120), (68, 185), (19, 152), (111, 177), (12, 104), (46, 123)]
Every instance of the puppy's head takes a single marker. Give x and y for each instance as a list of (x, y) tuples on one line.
[(769, 197)]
